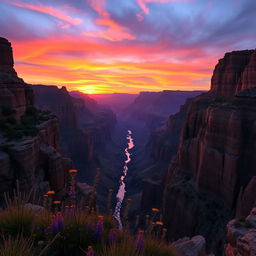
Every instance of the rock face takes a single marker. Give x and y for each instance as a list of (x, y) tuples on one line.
[(190, 247), (15, 94), (215, 163), (6, 61), (29, 138), (164, 143), (241, 236), (152, 109), (235, 72), (57, 101), (84, 126)]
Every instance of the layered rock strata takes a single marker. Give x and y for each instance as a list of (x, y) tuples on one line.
[(213, 175)]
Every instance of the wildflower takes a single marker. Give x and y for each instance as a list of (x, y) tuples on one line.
[(139, 243), (72, 171), (72, 192), (90, 251), (57, 223), (50, 192), (99, 229)]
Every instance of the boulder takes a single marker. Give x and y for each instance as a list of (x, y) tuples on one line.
[(194, 246)]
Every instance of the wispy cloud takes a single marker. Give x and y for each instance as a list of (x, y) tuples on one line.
[(49, 10), (125, 46)]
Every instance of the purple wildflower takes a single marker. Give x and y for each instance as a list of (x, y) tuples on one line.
[(72, 192), (57, 224), (90, 251), (139, 243), (99, 229)]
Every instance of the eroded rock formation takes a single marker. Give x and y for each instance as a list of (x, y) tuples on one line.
[(84, 125), (241, 236), (29, 138), (213, 175)]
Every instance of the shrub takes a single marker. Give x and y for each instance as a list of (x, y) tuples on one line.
[(64, 229), (4, 126), (32, 111), (11, 120), (16, 219), (7, 111)]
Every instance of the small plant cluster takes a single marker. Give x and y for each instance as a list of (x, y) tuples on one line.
[(28, 122), (68, 228)]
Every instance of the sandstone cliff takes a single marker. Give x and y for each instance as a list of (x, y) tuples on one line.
[(213, 174), (29, 146)]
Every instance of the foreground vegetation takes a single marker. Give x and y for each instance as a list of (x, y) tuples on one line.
[(27, 126), (64, 228)]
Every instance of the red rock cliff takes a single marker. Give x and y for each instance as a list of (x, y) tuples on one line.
[(213, 175), (29, 138)]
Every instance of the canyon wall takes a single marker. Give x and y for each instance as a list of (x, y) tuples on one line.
[(212, 176), (29, 138), (84, 125), (152, 109)]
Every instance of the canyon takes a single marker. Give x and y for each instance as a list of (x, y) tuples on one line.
[(193, 159)]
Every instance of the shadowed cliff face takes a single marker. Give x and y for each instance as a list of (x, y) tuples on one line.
[(6, 61), (213, 174), (84, 125), (29, 145), (150, 110)]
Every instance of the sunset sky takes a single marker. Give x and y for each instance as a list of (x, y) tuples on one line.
[(104, 46)]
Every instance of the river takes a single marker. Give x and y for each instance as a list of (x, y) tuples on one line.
[(121, 191)]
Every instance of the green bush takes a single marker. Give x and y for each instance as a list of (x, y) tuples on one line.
[(27, 126)]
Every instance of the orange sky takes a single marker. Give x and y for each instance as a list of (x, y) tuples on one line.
[(103, 46)]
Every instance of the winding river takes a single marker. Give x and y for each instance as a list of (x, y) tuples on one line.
[(121, 191)]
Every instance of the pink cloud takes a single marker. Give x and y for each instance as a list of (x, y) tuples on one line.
[(111, 30), (143, 3), (52, 11), (98, 6)]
